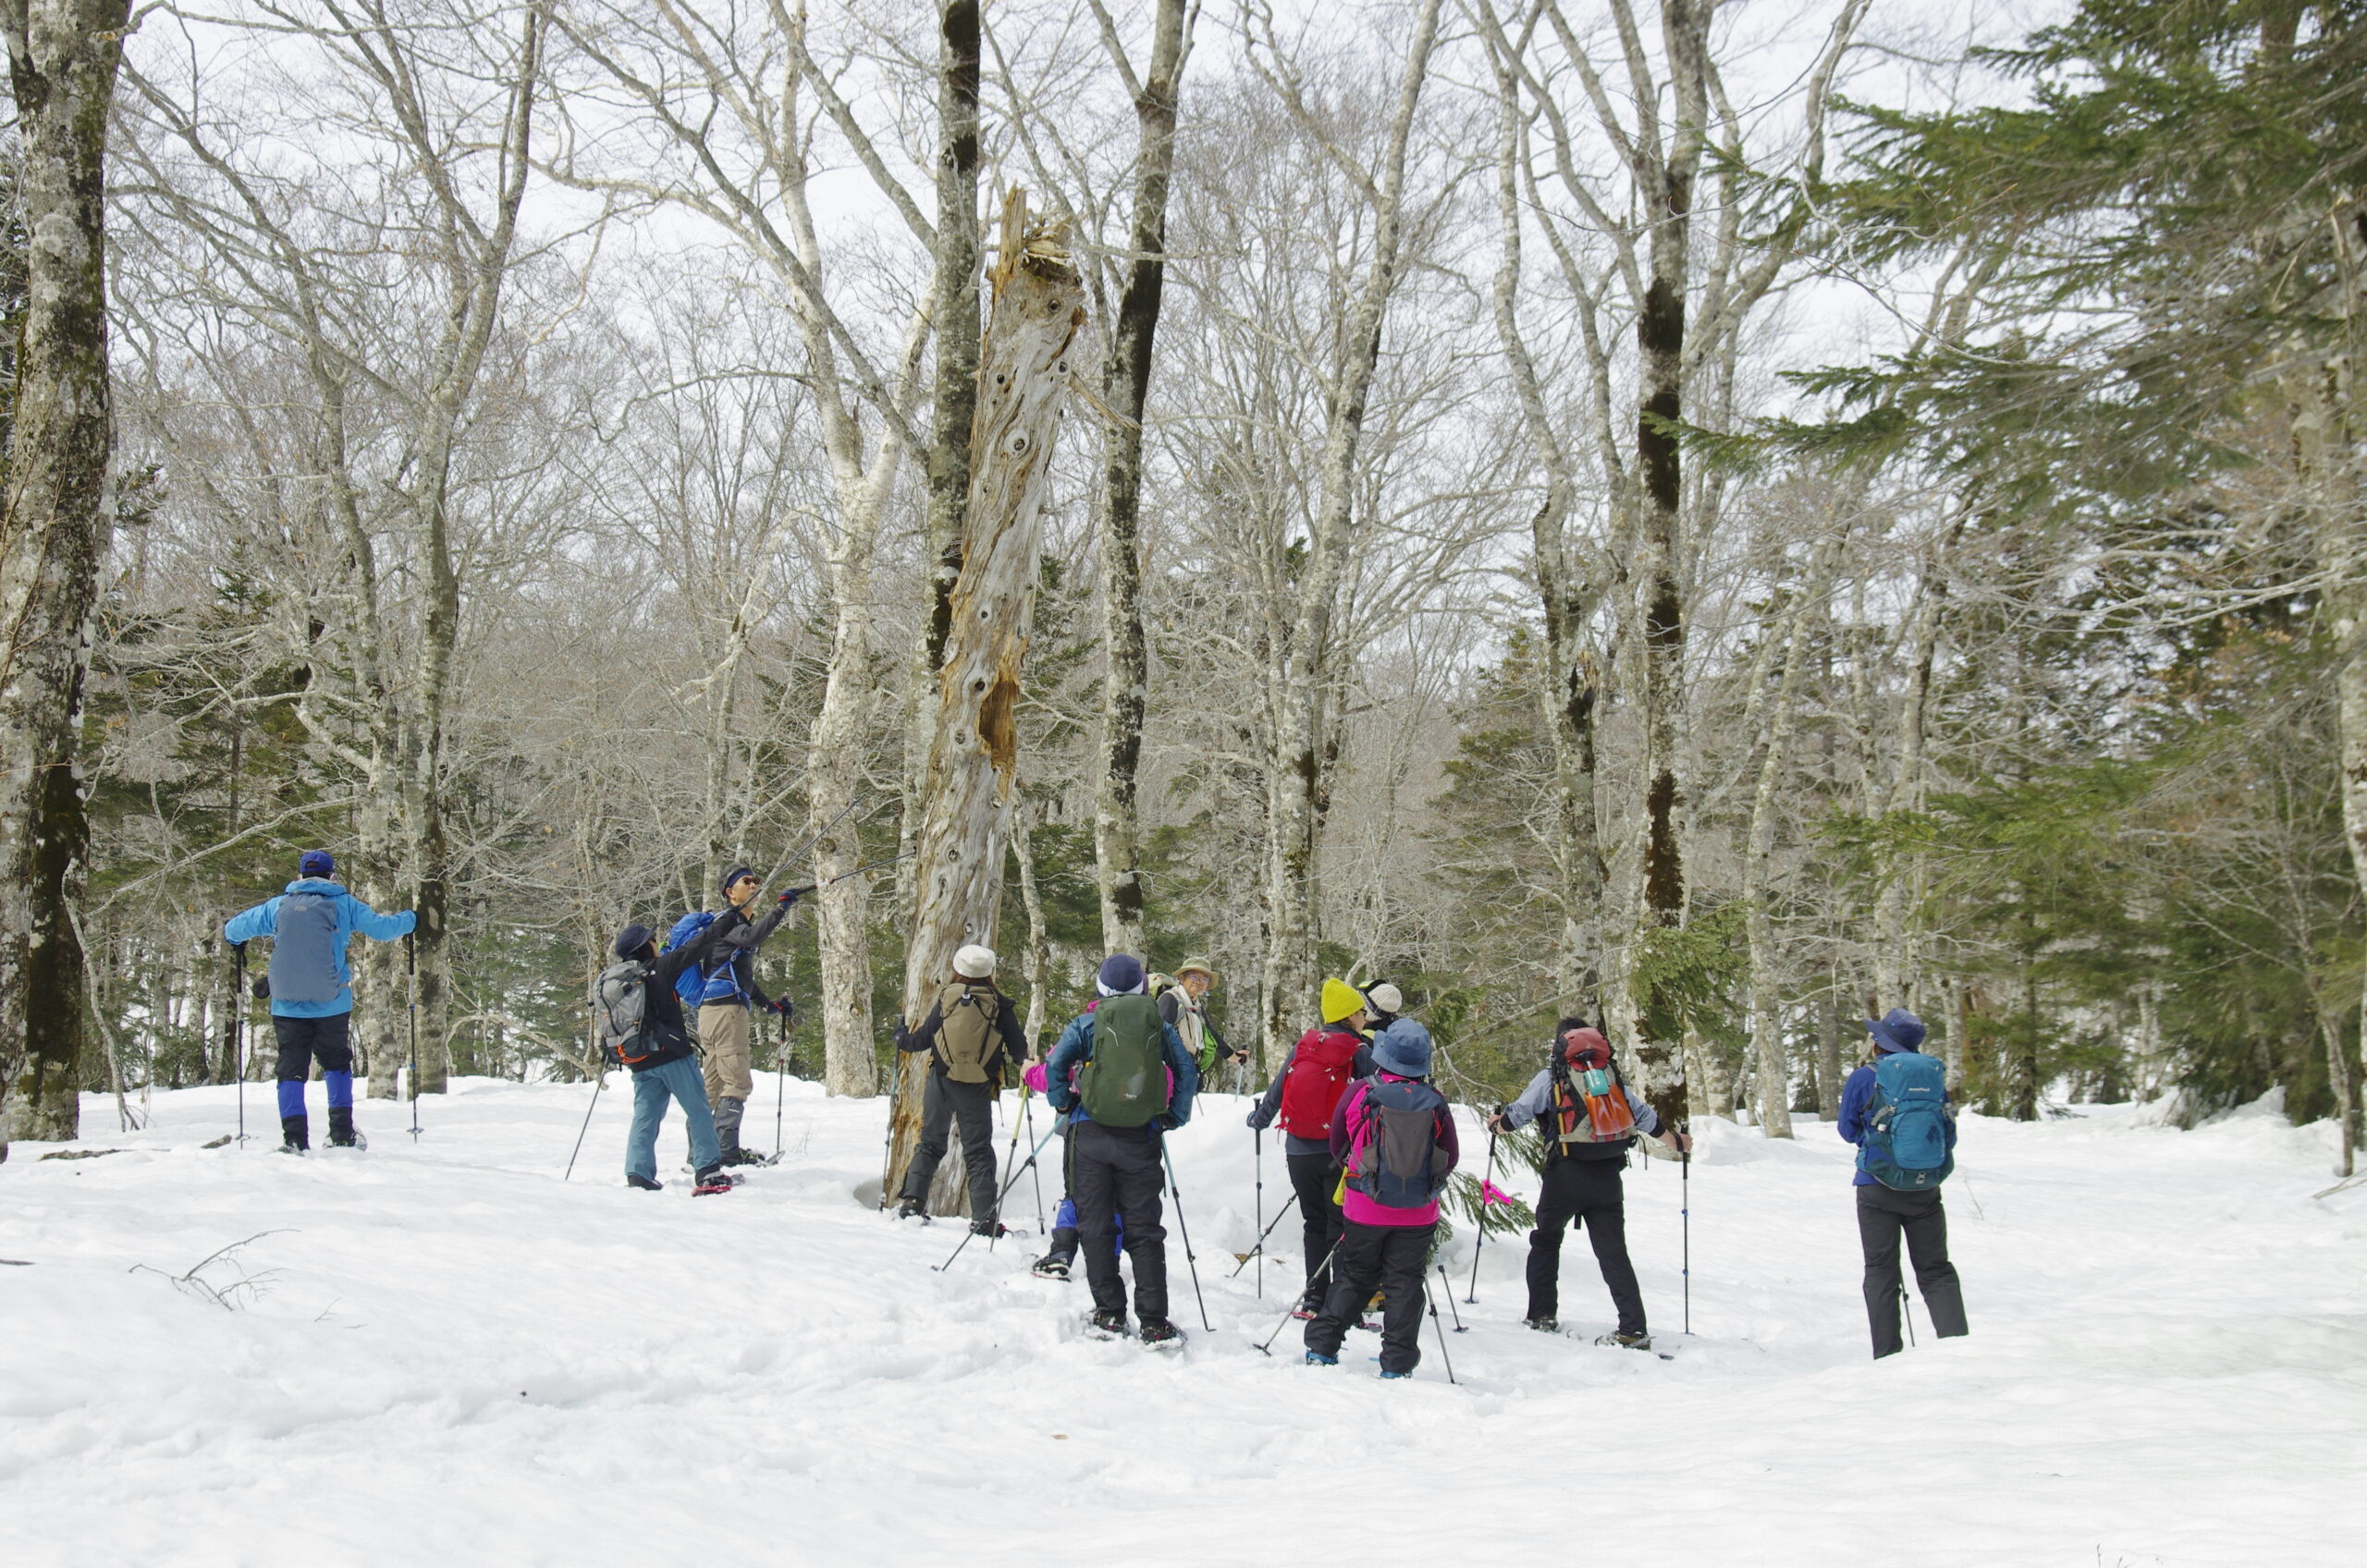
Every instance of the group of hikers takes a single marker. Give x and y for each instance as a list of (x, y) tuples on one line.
[(1369, 1142)]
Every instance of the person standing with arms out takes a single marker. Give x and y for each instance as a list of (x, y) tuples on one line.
[(726, 979), (639, 1015), (970, 1034), (1394, 1135), (1591, 1119), (1132, 1082), (1305, 1094), (311, 989), (1896, 1109)]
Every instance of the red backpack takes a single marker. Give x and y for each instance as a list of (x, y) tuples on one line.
[(1318, 1076)]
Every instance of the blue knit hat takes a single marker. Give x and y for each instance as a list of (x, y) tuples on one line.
[(315, 862), (1122, 975), (1403, 1048), (1897, 1030)]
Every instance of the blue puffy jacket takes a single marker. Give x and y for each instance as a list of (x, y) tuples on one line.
[(350, 916)]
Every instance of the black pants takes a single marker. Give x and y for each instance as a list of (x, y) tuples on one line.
[(1113, 1171), (1390, 1256), (1064, 1212), (943, 1102), (302, 1039), (1583, 1193), (1883, 1217), (1314, 1178)]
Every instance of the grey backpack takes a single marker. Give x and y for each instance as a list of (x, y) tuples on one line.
[(619, 1003), (303, 949)]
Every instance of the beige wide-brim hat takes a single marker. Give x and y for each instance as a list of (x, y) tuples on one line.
[(1203, 965)]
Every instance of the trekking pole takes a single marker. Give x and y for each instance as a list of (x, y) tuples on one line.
[(1259, 1249), (816, 836), (1907, 1307), (781, 1085), (888, 1139), (1257, 1142), (1450, 1299), (597, 1084), (1181, 1224), (1286, 1316), (942, 1268), (1438, 1323), (1685, 1216), (1011, 1151), (410, 962), (236, 1030), (867, 865), (1472, 1297), (1027, 1109)]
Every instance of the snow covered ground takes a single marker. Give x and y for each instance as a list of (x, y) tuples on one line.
[(448, 1357)]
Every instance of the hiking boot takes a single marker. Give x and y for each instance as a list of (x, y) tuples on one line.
[(295, 1135), (742, 1156), (911, 1208), (1542, 1324), (1160, 1331), (710, 1181), (342, 1133), (988, 1228), (1626, 1341), (1389, 1374), (643, 1183), (1107, 1325), (1317, 1358), (1051, 1265)]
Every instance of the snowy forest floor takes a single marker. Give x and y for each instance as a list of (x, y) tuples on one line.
[(443, 1355)]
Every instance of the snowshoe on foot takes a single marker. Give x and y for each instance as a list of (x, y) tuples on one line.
[(911, 1208), (743, 1156), (1388, 1374), (1542, 1324), (1107, 1325), (292, 1148), (991, 1229), (354, 1141), (1159, 1334), (643, 1183), (710, 1181), (1627, 1341), (1317, 1358), (1052, 1266), (343, 1132)]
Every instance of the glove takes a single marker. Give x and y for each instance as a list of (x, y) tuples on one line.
[(1259, 1120), (788, 897), (1033, 1075), (781, 1007), (239, 949)]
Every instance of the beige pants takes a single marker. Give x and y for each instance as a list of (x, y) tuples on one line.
[(723, 1035)]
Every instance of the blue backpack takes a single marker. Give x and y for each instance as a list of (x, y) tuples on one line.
[(1906, 1146), (303, 949), (690, 984)]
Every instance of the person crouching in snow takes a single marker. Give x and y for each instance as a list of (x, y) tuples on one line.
[(1896, 1109), (970, 1033), (658, 1049), (311, 989), (1592, 1119), (1305, 1093), (1132, 1081), (1395, 1136)]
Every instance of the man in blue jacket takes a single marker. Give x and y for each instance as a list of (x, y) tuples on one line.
[(1118, 1104), (311, 988), (1883, 1214)]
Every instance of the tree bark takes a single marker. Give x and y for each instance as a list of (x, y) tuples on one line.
[(1023, 377), (63, 57), (1125, 386), (1301, 741)]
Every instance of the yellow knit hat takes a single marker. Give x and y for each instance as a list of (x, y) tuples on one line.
[(1340, 1001)]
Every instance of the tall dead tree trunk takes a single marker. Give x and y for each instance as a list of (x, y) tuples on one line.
[(62, 57), (1023, 377), (1125, 386)]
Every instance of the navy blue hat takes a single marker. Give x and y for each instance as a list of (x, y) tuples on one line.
[(1122, 975), (632, 940), (734, 874), (1403, 1048), (1897, 1030), (315, 862)]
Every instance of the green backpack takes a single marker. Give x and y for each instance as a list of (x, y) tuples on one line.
[(1123, 1084)]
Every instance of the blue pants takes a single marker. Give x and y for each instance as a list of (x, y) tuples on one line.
[(301, 1041), (652, 1086)]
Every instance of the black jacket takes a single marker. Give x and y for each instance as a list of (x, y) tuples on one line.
[(1007, 1027), (662, 1025)]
